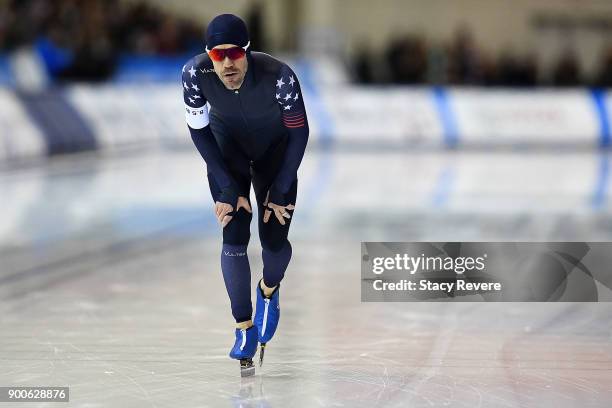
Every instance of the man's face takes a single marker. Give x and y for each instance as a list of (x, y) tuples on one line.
[(230, 72)]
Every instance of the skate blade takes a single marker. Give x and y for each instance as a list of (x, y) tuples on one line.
[(247, 372), (262, 349), (247, 368)]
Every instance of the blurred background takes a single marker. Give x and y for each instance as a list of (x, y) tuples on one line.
[(470, 42), (445, 89), (438, 120)]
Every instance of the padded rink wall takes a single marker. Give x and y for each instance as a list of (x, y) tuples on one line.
[(115, 116)]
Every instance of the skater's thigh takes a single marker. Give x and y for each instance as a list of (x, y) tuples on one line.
[(238, 165), (273, 234), (265, 170)]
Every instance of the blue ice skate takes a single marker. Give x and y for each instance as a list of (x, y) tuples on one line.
[(244, 349), (267, 314), (245, 345)]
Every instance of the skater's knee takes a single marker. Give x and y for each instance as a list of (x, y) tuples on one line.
[(276, 246), (273, 243), (237, 239), (238, 231)]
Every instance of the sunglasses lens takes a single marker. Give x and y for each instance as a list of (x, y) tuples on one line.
[(235, 53), (232, 53), (216, 54)]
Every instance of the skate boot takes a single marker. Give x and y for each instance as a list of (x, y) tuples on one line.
[(267, 314), (244, 349)]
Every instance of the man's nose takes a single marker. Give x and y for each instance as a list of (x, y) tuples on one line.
[(227, 62)]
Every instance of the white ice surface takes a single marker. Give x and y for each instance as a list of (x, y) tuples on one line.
[(110, 284)]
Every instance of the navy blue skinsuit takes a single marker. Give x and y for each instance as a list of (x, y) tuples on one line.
[(256, 134)]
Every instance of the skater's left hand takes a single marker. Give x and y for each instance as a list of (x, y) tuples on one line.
[(280, 211)]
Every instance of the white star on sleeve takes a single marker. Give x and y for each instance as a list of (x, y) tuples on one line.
[(195, 87), (192, 72), (288, 96), (277, 96), (196, 96), (287, 107), (280, 83), (185, 86), (291, 80), (191, 100), (295, 98)]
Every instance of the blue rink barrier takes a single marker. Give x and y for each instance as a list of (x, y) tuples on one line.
[(603, 114), (123, 115), (63, 128), (6, 74)]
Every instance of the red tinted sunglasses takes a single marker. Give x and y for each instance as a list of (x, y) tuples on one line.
[(232, 53)]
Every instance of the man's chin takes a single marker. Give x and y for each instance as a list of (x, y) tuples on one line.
[(231, 84)]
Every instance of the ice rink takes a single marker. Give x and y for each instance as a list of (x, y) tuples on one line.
[(110, 284)]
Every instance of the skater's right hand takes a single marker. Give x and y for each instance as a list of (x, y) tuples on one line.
[(223, 209)]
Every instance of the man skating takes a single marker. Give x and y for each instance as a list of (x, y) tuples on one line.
[(255, 131)]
